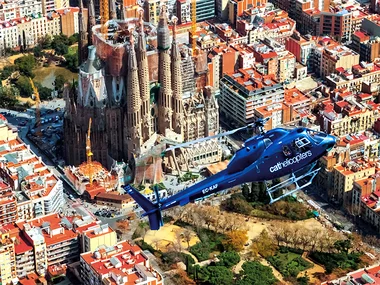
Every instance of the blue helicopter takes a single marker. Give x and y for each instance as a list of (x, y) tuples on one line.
[(278, 153)]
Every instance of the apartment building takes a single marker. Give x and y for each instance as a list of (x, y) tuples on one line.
[(337, 57), (183, 11), (8, 204), (37, 190), (121, 264), (348, 116), (10, 10), (244, 91), (7, 259), (94, 235), (368, 47), (355, 78), (237, 8), (297, 103), (257, 25), (344, 176), (367, 275), (302, 47)]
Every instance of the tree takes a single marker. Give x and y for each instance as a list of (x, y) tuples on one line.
[(228, 259), (73, 39), (45, 42), (24, 86), (254, 273), (7, 71), (235, 240), (61, 48), (72, 61), (181, 278), (143, 228), (343, 245), (8, 97), (37, 51), (216, 275), (44, 92), (255, 193), (264, 245), (59, 82), (187, 235), (237, 203), (26, 64)]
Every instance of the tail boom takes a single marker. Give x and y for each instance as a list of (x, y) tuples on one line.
[(151, 210)]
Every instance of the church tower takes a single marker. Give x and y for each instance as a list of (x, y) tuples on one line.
[(164, 76), (176, 83), (143, 71), (113, 14), (83, 40), (132, 137), (91, 21)]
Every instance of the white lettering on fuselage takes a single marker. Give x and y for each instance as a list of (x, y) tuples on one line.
[(290, 161), (208, 189)]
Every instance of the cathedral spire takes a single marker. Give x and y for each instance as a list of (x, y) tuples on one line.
[(143, 70), (112, 8), (91, 20), (122, 15), (176, 82), (83, 41), (164, 77), (133, 118)]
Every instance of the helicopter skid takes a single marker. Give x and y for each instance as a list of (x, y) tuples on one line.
[(292, 180)]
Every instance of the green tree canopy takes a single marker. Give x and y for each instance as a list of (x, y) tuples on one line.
[(254, 273), (215, 275), (59, 82), (73, 39), (238, 204), (24, 86), (26, 64), (46, 41), (37, 51), (228, 259), (72, 61), (44, 92), (8, 96), (7, 71)]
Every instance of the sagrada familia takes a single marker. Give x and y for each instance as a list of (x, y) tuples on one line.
[(131, 111)]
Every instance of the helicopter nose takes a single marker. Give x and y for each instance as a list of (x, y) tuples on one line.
[(329, 142)]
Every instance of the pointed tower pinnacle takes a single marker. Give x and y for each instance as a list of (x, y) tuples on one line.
[(176, 82), (91, 21), (83, 41), (133, 117), (143, 70), (122, 15), (113, 14), (164, 76)]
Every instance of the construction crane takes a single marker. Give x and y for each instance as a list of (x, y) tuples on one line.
[(38, 112), (194, 26), (89, 153), (104, 17)]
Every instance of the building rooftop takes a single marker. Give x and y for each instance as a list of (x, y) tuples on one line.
[(51, 228), (119, 261)]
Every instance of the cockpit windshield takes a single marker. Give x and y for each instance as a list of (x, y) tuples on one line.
[(317, 137), (267, 142)]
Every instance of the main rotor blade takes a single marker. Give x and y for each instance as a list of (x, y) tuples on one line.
[(186, 144)]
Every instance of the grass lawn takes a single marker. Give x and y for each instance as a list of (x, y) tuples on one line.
[(289, 263)]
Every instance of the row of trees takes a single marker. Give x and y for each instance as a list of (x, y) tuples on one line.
[(209, 217)]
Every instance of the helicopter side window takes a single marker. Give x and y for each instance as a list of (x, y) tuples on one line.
[(316, 136), (287, 151), (301, 143), (267, 142)]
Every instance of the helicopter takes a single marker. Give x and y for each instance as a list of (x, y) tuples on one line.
[(273, 154)]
